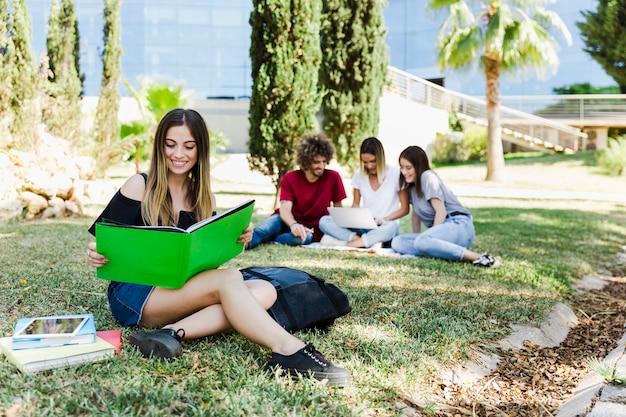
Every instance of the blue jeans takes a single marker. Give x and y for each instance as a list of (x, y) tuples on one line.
[(383, 233), (127, 300), (274, 229), (447, 240)]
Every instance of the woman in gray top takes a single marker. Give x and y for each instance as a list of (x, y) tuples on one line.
[(450, 228)]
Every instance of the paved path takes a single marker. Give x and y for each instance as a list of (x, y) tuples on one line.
[(593, 397), (232, 171)]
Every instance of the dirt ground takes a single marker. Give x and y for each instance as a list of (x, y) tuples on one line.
[(535, 381)]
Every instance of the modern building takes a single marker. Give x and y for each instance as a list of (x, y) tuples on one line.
[(205, 44)]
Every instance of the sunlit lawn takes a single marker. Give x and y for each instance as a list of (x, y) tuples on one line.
[(410, 317)]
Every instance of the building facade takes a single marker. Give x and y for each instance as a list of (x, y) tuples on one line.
[(205, 45)]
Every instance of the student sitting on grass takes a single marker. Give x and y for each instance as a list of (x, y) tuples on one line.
[(378, 184), (305, 195), (176, 191), (450, 228)]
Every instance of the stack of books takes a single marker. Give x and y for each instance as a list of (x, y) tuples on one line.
[(49, 342)]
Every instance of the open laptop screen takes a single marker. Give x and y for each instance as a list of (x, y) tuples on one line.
[(353, 217)]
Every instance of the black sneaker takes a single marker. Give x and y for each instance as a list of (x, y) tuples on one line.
[(486, 261), (162, 343), (308, 361)]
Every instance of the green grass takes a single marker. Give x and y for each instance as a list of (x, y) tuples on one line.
[(411, 317)]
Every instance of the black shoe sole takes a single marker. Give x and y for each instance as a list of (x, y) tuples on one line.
[(336, 379), (156, 346)]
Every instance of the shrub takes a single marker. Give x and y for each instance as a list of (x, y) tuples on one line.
[(445, 148), (613, 158), (474, 144), (461, 147)]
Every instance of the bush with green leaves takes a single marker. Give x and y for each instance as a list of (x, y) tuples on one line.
[(461, 147), (613, 158), (155, 98), (474, 144)]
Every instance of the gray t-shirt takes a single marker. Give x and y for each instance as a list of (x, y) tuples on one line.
[(433, 187)]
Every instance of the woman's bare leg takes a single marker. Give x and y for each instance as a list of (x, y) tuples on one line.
[(215, 300)]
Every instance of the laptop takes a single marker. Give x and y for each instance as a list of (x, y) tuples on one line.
[(353, 217)]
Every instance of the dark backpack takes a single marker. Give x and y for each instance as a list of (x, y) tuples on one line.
[(304, 300)]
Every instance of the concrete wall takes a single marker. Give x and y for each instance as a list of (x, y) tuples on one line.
[(597, 137), (402, 122), (230, 117)]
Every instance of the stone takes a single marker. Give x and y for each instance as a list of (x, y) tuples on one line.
[(35, 203), (29, 179), (10, 209)]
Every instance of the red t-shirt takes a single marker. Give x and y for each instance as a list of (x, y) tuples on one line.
[(311, 199)]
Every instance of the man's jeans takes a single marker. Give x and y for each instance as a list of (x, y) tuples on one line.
[(383, 233), (274, 229), (447, 240)]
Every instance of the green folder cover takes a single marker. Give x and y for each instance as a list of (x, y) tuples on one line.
[(167, 256)]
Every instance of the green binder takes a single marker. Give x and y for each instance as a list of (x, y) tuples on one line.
[(168, 256)]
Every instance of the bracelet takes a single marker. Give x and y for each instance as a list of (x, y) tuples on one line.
[(293, 224)]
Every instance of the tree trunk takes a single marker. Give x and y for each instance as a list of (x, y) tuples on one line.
[(495, 152)]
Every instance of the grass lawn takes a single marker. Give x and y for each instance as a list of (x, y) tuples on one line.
[(411, 317)]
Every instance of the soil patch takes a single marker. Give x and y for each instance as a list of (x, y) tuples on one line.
[(535, 381)]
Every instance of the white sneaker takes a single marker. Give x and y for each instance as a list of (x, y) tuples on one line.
[(328, 240), (486, 261)]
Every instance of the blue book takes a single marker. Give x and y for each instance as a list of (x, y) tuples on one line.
[(51, 331)]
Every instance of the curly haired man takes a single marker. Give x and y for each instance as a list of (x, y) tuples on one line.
[(305, 195)]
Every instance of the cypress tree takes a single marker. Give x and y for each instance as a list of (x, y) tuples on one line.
[(285, 57), (604, 35), (353, 73), (63, 113), (53, 40), (71, 11), (6, 64), (23, 78), (107, 124)]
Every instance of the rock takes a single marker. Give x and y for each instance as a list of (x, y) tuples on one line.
[(50, 182), (63, 185), (9, 184), (99, 192), (35, 203), (40, 182), (56, 208), (10, 209), (73, 207), (86, 166)]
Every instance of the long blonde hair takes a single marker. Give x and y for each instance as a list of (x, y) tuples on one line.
[(374, 147), (156, 207)]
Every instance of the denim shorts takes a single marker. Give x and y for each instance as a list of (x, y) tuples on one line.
[(127, 301)]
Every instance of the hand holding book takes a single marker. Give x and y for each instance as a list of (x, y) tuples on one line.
[(168, 256)]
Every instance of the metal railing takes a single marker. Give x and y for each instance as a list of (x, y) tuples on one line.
[(584, 107), (517, 126)]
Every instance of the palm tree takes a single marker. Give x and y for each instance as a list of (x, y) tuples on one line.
[(154, 99), (513, 36)]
